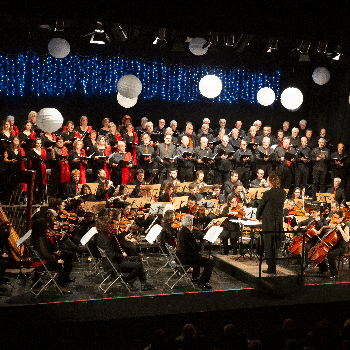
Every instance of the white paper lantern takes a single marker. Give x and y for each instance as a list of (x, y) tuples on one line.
[(210, 86), (291, 99), (266, 96), (59, 48), (196, 46), (321, 75), (49, 119), (126, 102), (129, 86)]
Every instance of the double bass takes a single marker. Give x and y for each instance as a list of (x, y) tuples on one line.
[(319, 251), (296, 247)]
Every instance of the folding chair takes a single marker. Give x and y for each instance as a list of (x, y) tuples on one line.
[(180, 271), (115, 275), (47, 276), (168, 259)]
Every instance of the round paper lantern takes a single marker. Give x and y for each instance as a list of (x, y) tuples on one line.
[(126, 102), (59, 48), (210, 86), (49, 119), (266, 96), (321, 75), (291, 99), (196, 46), (129, 86)]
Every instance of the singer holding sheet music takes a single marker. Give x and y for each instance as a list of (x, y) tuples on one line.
[(165, 153), (77, 159), (204, 157), (223, 160), (185, 160), (121, 164)]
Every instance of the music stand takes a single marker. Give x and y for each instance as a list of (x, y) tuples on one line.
[(208, 204), (137, 202), (158, 208), (325, 197), (178, 201), (21, 275), (86, 238), (182, 187)]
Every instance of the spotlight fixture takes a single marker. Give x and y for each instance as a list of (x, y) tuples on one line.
[(119, 33), (273, 43), (160, 37), (304, 51), (338, 52), (229, 39), (322, 47), (59, 26), (99, 36), (243, 42)]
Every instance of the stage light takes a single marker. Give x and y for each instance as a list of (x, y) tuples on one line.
[(59, 26), (99, 36), (322, 47), (229, 39), (338, 52), (210, 86), (58, 48), (321, 75), (119, 33), (160, 37), (196, 46), (304, 51), (273, 43), (292, 99), (266, 96)]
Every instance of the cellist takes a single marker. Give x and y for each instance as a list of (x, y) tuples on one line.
[(342, 245), (319, 222)]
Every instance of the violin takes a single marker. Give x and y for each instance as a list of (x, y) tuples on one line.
[(297, 212), (88, 216), (319, 251), (240, 210), (70, 216), (197, 209)]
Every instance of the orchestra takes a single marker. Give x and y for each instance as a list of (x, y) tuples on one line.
[(220, 166)]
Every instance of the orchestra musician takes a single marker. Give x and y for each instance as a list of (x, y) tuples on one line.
[(105, 188), (231, 230), (337, 191), (167, 196), (131, 265), (138, 182), (259, 182), (238, 192), (188, 252), (169, 231), (172, 177), (120, 197), (59, 260), (215, 194), (228, 185), (290, 219), (71, 189)]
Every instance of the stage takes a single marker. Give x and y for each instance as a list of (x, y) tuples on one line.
[(238, 294)]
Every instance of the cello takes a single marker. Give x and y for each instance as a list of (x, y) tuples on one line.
[(296, 247), (319, 251)]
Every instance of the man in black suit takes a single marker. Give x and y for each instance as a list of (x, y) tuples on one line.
[(165, 152), (105, 188), (188, 252), (270, 213), (337, 191)]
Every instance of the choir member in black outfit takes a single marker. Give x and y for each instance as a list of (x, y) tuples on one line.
[(231, 229), (101, 151), (113, 136), (84, 129), (26, 134), (244, 159), (295, 138), (90, 142), (145, 154), (303, 164), (105, 188), (185, 160), (38, 158), (223, 160), (59, 260), (77, 160), (265, 156), (69, 136), (165, 153), (203, 159), (105, 129), (192, 139), (188, 252), (339, 164), (270, 213)]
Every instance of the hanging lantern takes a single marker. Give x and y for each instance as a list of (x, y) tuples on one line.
[(266, 96), (210, 86), (129, 86), (49, 119), (196, 46), (291, 99), (59, 48), (321, 75), (126, 102)]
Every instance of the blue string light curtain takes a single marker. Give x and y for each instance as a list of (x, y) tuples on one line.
[(48, 76)]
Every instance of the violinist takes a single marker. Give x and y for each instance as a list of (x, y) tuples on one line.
[(59, 260), (131, 265), (342, 245), (290, 219), (121, 164), (169, 232), (334, 208), (231, 230), (216, 194), (82, 223), (167, 195), (105, 188), (238, 192), (147, 192), (120, 196)]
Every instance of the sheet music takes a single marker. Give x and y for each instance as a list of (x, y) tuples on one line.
[(154, 232), (213, 233), (250, 223), (86, 238)]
